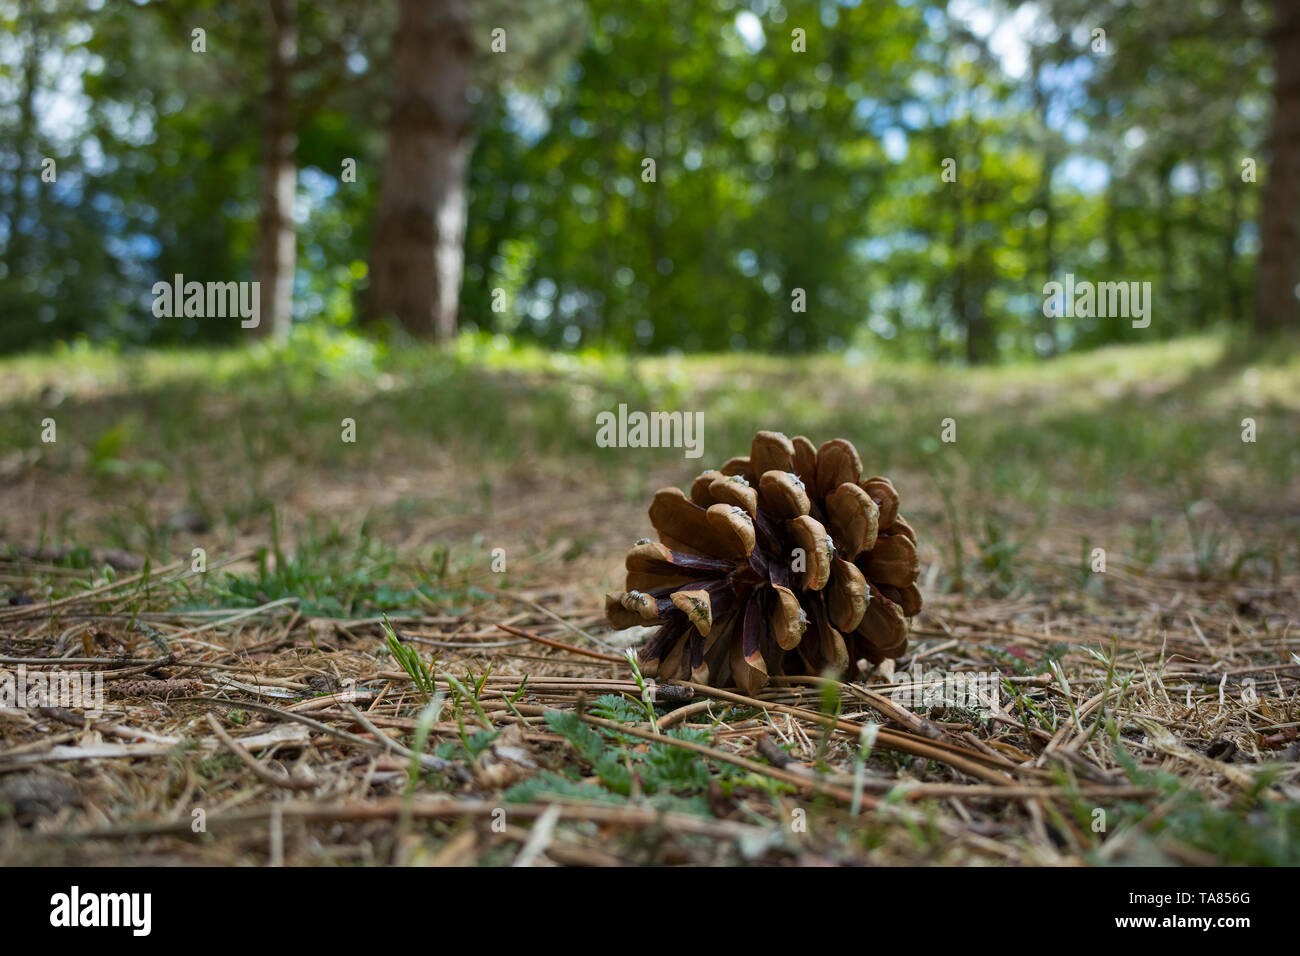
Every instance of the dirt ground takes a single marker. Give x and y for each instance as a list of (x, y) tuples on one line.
[(258, 712)]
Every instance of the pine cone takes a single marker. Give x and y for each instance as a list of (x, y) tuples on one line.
[(785, 562)]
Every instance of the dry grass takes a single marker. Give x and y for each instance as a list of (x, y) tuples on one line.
[(1132, 701), (1147, 714)]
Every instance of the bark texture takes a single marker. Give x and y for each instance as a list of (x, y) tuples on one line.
[(1275, 297), (417, 255), (277, 237)]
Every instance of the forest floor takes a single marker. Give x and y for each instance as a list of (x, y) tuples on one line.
[(260, 712)]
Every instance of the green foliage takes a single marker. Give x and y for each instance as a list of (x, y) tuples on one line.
[(1248, 832), (422, 675), (669, 777), (423, 724), (997, 550), (329, 578), (587, 741), (472, 690), (776, 171), (335, 574), (620, 709), (642, 687), (487, 406), (470, 746), (549, 785)]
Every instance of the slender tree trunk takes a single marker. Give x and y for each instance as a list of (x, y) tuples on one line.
[(1275, 297), (1049, 238), (962, 281), (1049, 160), (1165, 240), (608, 170), (936, 230), (16, 251), (981, 345), (1232, 289), (1114, 251), (277, 238), (417, 256)]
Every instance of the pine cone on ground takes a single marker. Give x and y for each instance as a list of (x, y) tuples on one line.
[(785, 562)]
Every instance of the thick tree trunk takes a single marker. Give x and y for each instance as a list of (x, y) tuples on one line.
[(1275, 296), (277, 238), (418, 254)]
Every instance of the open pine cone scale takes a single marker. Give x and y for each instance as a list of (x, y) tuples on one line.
[(785, 562)]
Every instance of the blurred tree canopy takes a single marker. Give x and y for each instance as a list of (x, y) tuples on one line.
[(902, 177)]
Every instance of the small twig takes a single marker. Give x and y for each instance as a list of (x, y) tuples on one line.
[(970, 762), (118, 674), (44, 607), (265, 774), (427, 761), (74, 719), (551, 642), (548, 612), (540, 838)]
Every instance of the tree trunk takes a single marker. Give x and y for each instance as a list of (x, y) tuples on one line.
[(1114, 251), (1049, 160), (1049, 239), (1275, 297), (277, 238), (1165, 242), (16, 251), (960, 299), (980, 346), (417, 256), (1232, 290)]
